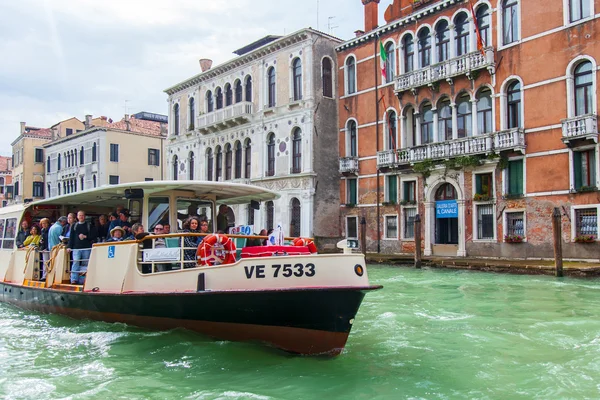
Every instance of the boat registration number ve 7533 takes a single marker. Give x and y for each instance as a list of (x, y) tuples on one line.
[(280, 271)]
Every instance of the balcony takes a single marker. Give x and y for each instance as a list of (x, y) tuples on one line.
[(465, 65), (69, 172), (348, 165), (510, 140), (581, 127), (233, 115)]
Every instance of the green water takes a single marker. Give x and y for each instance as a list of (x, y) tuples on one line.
[(430, 334)]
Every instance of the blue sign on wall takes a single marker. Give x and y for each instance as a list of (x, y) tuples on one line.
[(446, 209), (111, 251)]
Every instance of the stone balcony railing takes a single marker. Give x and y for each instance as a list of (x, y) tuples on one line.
[(466, 65), (69, 171), (581, 127), (513, 139), (348, 165), (233, 115)]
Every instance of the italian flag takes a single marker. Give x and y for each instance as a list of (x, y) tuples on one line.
[(383, 57)]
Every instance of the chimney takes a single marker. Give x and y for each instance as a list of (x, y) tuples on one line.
[(358, 33), (54, 133), (205, 64), (22, 128), (164, 131), (394, 11), (127, 122), (88, 121), (371, 14)]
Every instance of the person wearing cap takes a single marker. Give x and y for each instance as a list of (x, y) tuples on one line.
[(55, 232), (116, 234)]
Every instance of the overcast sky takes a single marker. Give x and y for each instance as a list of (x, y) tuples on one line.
[(64, 58)]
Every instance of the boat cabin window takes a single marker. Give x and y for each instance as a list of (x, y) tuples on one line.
[(158, 211), (192, 207), (2, 221), (10, 230), (135, 211)]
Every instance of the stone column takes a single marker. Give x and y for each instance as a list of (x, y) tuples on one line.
[(474, 117), (429, 227), (417, 117), (436, 132), (454, 121), (461, 229)]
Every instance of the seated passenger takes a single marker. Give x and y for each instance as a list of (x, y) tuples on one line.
[(22, 234), (116, 234), (33, 240), (159, 243), (191, 225)]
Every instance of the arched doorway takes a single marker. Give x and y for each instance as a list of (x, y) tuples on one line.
[(446, 215)]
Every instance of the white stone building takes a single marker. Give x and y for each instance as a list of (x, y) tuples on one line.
[(268, 117)]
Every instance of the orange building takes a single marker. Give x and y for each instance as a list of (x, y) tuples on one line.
[(483, 120)]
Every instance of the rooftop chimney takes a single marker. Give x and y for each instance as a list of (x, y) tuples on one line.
[(127, 122), (54, 133), (371, 14), (359, 32), (205, 64), (22, 128), (394, 11), (88, 121)]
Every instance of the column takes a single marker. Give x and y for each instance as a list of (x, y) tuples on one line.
[(416, 53), (461, 252), (452, 52), (472, 35), (417, 116), (435, 126), (454, 121), (402, 143), (474, 117), (429, 222)]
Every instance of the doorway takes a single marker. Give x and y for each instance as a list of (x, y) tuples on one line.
[(446, 215)]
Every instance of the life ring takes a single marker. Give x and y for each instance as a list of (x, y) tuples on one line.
[(306, 242), (215, 250)]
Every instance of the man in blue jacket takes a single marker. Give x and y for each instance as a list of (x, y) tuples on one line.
[(55, 232)]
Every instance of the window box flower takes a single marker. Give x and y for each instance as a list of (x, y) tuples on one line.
[(481, 197), (408, 202), (514, 238), (388, 203), (585, 239), (350, 205)]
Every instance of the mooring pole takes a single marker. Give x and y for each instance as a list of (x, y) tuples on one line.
[(363, 236), (417, 241), (557, 230)]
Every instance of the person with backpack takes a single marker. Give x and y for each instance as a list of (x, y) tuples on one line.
[(83, 234)]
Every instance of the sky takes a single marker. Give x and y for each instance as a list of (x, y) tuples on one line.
[(65, 58)]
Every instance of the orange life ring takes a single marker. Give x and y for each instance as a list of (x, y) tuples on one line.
[(306, 242), (215, 250)]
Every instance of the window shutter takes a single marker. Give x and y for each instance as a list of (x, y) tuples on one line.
[(392, 188), (519, 178), (478, 188), (577, 168), (592, 156)]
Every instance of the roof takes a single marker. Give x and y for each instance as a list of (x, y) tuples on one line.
[(255, 45), (223, 192), (44, 133), (65, 120), (138, 126), (5, 163)]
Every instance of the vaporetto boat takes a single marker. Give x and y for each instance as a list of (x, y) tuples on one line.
[(283, 296)]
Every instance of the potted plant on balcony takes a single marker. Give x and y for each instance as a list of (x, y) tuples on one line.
[(585, 239), (481, 197), (514, 238), (408, 202), (586, 189), (350, 205)]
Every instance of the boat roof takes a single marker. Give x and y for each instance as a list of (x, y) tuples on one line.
[(223, 192)]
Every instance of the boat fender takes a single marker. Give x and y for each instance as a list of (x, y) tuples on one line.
[(306, 242), (215, 250)]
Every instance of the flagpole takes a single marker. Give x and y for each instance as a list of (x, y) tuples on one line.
[(376, 43)]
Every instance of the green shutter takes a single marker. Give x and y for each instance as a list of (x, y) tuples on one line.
[(515, 177), (577, 169), (393, 188), (478, 184), (352, 188), (592, 156)]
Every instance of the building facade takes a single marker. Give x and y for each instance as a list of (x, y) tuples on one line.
[(6, 187), (484, 123), (126, 151), (268, 117), (28, 163)]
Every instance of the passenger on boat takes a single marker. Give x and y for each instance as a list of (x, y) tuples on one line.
[(203, 229), (222, 222), (45, 224), (55, 232), (102, 228), (22, 234), (116, 234), (166, 229), (122, 221), (71, 220), (34, 237), (159, 243), (83, 234), (190, 225), (137, 232)]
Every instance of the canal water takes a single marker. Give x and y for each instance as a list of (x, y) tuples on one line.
[(430, 334)]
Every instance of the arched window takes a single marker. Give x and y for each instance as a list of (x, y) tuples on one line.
[(238, 160), (484, 111), (191, 166), (16, 185), (93, 179), (426, 124), (464, 116), (94, 155), (176, 119), (219, 95), (424, 48), (175, 167), (271, 154), (444, 120), (48, 165), (210, 106), (48, 193), (218, 164), (238, 91), (65, 191), (74, 155), (445, 192), (271, 87), (410, 126), (409, 53), (228, 162), (249, 88), (248, 158), (295, 218), (327, 77), (58, 187), (192, 113), (270, 214), (390, 62), (461, 38), (228, 95), (483, 22), (81, 183), (391, 130), (442, 38), (297, 151), (209, 165), (58, 167), (350, 75), (68, 158), (583, 89), (352, 139), (510, 21), (513, 105), (81, 156), (297, 76)]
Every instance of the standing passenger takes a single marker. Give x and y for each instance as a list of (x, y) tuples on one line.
[(55, 232), (83, 234), (222, 222)]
